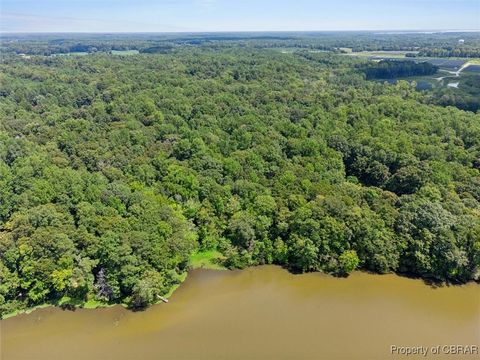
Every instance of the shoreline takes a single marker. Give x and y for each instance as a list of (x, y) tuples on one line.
[(199, 260), (208, 260)]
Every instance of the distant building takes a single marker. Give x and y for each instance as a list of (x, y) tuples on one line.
[(461, 41)]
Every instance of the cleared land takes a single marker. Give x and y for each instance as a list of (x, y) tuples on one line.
[(473, 68), (381, 54), (453, 72)]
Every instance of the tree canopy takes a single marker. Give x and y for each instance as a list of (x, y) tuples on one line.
[(114, 170)]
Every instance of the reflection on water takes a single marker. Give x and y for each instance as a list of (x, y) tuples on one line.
[(259, 313)]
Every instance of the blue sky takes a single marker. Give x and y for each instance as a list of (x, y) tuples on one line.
[(236, 15)]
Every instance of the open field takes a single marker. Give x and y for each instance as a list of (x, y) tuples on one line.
[(447, 63), (206, 260), (78, 53), (381, 54), (125, 52), (451, 64), (453, 72), (473, 68)]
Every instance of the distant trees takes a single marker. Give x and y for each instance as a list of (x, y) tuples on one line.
[(161, 49), (430, 45), (463, 51), (387, 69), (465, 97)]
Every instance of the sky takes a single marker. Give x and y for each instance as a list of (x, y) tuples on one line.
[(236, 15)]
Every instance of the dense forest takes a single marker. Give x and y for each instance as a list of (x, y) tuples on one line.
[(115, 169), (387, 69)]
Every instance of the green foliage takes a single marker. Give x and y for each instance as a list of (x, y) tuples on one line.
[(147, 290), (115, 170), (209, 259), (394, 69), (348, 261)]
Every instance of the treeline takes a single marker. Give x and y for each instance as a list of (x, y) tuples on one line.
[(165, 49), (47, 49), (436, 44), (113, 170), (460, 51), (387, 69)]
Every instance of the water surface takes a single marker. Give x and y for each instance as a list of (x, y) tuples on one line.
[(259, 313)]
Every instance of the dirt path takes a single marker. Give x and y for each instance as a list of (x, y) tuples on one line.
[(455, 73)]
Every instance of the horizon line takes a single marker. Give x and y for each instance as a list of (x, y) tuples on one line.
[(384, 31)]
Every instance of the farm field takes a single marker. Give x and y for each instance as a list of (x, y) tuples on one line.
[(380, 54), (473, 68), (450, 64), (76, 53), (446, 63), (124, 52), (438, 80), (453, 73)]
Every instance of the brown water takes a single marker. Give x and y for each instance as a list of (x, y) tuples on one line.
[(259, 313)]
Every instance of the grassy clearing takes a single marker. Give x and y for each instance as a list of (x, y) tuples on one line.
[(95, 304), (90, 304), (75, 53), (210, 259), (24, 311), (125, 52), (285, 50), (474, 61), (207, 260)]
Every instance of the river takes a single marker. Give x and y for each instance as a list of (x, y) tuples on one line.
[(260, 313)]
